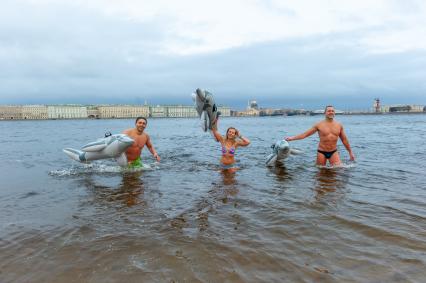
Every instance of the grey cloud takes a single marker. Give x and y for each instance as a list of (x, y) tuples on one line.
[(76, 56)]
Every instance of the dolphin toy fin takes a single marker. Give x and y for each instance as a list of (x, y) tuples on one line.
[(205, 121), (94, 146)]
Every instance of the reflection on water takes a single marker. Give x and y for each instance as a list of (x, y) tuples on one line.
[(280, 172), (131, 188), (219, 194), (329, 181), (230, 185), (228, 177), (128, 192), (326, 180)]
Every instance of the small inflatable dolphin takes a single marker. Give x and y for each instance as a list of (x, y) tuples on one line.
[(206, 109), (280, 151), (112, 146)]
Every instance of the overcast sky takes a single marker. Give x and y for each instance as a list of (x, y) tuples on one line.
[(281, 53)]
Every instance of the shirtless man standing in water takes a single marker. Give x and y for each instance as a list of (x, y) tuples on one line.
[(329, 132), (141, 138)]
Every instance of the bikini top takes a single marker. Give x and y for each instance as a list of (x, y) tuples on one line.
[(230, 151)]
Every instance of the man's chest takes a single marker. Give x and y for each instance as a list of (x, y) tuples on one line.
[(140, 140), (327, 130)]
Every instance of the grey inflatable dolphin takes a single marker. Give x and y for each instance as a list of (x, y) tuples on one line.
[(206, 109), (280, 151), (112, 146)]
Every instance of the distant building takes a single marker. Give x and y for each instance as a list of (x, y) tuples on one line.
[(158, 111), (266, 112), (93, 112), (34, 112), (376, 105), (252, 110), (292, 112), (66, 112), (181, 111), (30, 112), (322, 111), (248, 112), (416, 108), (225, 111), (401, 108), (252, 104), (273, 112), (384, 108), (122, 111), (10, 112)]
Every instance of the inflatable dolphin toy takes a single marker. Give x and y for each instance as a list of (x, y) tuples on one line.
[(280, 151), (112, 146), (206, 109)]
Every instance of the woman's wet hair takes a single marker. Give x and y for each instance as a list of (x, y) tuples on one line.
[(140, 117)]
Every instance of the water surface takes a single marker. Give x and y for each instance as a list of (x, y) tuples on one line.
[(185, 221)]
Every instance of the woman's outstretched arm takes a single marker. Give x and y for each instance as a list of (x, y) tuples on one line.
[(217, 136)]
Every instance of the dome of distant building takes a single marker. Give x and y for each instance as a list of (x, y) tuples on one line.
[(253, 105)]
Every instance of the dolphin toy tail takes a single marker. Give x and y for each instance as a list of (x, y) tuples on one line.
[(75, 154), (295, 151)]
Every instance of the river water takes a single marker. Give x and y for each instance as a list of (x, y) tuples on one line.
[(185, 221)]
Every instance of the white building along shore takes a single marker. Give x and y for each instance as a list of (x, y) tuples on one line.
[(42, 112), (66, 112)]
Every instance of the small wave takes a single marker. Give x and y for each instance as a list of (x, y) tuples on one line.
[(60, 173), (100, 168), (29, 194), (145, 167), (349, 164)]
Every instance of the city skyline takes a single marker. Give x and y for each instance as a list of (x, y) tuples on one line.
[(237, 105), (296, 55)]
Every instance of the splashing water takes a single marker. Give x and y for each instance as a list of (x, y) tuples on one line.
[(100, 168)]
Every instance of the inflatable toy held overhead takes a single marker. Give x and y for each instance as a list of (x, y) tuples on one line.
[(206, 109), (112, 146)]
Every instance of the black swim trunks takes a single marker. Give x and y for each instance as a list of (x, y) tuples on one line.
[(327, 154)]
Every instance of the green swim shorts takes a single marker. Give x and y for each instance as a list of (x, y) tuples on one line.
[(135, 163)]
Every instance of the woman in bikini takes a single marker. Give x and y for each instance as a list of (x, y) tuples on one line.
[(229, 142)]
